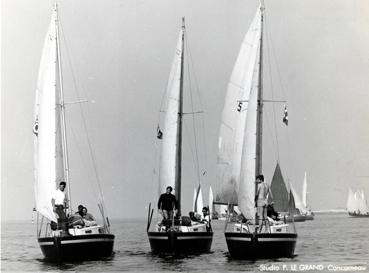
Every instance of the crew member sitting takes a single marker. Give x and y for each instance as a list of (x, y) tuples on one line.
[(88, 218), (272, 213)]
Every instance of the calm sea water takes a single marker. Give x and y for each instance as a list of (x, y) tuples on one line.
[(332, 242)]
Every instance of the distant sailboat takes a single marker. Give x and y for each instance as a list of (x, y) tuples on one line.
[(356, 204), (181, 236), (51, 165), (240, 155), (281, 198), (309, 215)]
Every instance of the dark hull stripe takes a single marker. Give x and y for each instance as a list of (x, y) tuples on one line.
[(180, 238)]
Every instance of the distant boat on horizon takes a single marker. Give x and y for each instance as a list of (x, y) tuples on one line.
[(356, 204), (282, 195)]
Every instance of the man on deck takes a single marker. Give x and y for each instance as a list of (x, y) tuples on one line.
[(167, 203), (58, 202), (261, 198)]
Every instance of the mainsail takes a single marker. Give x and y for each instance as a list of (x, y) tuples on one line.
[(234, 115), (169, 164), (49, 163)]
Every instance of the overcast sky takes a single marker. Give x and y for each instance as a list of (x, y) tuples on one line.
[(120, 54)]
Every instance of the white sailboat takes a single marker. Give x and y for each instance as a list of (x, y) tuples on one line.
[(309, 215), (180, 236), (356, 204), (240, 155), (51, 165)]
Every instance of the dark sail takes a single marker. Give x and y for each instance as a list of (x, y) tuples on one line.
[(279, 191)]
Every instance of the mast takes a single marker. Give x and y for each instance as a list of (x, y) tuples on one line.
[(259, 134), (179, 132), (62, 109)]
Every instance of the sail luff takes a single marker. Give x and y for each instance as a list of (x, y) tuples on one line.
[(64, 176), (47, 160), (178, 183), (169, 173), (259, 133)]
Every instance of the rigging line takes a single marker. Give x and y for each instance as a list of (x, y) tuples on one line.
[(192, 109), (283, 90), (281, 82), (272, 90), (82, 159), (271, 133), (83, 117), (190, 146), (200, 102), (156, 169)]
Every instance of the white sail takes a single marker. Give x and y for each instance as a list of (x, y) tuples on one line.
[(211, 200), (246, 192), (167, 175), (199, 201), (194, 199), (232, 129), (362, 202), (298, 202), (49, 166), (304, 192), (350, 201)]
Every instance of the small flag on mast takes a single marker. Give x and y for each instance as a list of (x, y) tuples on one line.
[(159, 133), (285, 117)]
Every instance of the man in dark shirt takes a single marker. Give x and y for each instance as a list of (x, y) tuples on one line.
[(167, 203)]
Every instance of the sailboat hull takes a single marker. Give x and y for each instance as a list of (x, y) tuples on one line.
[(358, 215), (174, 242), (77, 248), (251, 246), (296, 218)]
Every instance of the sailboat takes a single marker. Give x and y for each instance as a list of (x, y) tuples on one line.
[(240, 156), (181, 237), (51, 165), (309, 215), (281, 195), (356, 204)]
